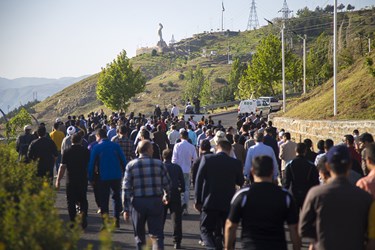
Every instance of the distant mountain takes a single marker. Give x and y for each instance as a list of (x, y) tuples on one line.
[(16, 92)]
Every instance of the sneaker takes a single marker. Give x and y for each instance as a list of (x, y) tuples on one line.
[(201, 242), (177, 246), (99, 211)]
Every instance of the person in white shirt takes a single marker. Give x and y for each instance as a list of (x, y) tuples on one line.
[(184, 154), (260, 149), (175, 110), (173, 135)]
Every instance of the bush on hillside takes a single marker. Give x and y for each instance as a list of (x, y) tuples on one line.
[(181, 76), (28, 218)]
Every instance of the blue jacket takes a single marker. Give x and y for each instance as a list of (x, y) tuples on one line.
[(110, 160)]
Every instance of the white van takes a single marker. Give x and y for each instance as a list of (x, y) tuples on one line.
[(259, 107)]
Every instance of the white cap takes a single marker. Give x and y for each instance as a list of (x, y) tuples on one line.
[(281, 133), (71, 130), (58, 119), (219, 136), (27, 127)]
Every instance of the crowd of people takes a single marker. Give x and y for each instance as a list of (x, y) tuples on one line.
[(253, 173)]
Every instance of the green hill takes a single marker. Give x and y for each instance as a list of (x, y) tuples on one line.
[(355, 97), (164, 71)]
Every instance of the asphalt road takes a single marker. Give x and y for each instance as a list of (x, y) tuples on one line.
[(123, 238)]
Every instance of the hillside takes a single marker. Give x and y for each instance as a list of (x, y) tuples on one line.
[(210, 51), (355, 97)]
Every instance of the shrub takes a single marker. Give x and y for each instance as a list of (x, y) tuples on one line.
[(170, 84), (154, 52), (28, 217), (181, 76), (161, 85)]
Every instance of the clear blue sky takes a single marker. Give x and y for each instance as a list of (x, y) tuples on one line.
[(57, 38)]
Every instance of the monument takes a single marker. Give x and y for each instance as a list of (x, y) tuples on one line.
[(161, 43)]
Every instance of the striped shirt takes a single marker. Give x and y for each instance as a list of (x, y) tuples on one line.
[(144, 177)]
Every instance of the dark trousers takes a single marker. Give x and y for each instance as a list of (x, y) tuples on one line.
[(76, 193), (148, 210), (104, 190), (174, 206), (212, 228)]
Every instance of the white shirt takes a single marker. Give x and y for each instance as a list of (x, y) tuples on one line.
[(175, 111), (173, 136), (184, 154), (257, 150)]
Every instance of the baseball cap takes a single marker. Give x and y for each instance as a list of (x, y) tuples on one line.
[(71, 130), (58, 119), (338, 154), (27, 127)]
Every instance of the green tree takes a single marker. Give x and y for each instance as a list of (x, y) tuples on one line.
[(17, 122), (205, 95), (235, 75), (319, 63), (263, 74), (119, 82), (195, 82)]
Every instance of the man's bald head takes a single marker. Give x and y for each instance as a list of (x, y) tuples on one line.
[(144, 147)]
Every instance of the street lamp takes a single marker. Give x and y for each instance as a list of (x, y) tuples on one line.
[(282, 61), (334, 57), (304, 59)]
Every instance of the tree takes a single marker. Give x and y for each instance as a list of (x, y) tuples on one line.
[(341, 7), (17, 122), (319, 63), (195, 82), (118, 82), (350, 7), (329, 8), (235, 75)]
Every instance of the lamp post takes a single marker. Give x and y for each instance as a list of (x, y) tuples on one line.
[(304, 37), (282, 61), (334, 58), (283, 66)]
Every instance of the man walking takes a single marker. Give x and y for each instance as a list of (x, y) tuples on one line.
[(75, 160), (146, 180), (44, 151), (217, 177), (260, 149), (23, 143), (300, 175), (108, 160), (184, 154), (174, 203), (263, 209), (125, 143), (57, 137), (287, 152), (335, 215)]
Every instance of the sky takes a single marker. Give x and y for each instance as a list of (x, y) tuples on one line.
[(70, 38)]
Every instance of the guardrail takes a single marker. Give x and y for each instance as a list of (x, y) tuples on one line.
[(219, 105)]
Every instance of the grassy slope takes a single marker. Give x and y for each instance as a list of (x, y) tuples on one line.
[(355, 97), (80, 98)]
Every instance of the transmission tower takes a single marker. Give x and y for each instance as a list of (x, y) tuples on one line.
[(285, 11), (253, 22)]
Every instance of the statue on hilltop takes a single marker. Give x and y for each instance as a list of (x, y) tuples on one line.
[(160, 33), (161, 44)]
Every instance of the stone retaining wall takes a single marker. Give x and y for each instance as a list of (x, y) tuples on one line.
[(322, 129)]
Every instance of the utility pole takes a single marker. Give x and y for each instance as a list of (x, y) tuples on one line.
[(228, 52), (283, 66), (334, 57), (369, 45), (304, 64), (222, 16)]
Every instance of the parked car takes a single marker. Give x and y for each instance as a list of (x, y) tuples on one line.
[(257, 106), (273, 101)]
